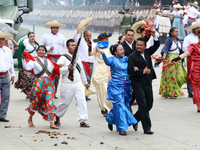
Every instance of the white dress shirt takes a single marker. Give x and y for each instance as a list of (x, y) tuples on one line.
[(175, 48), (29, 47), (150, 42), (130, 45), (193, 12), (6, 61), (189, 39), (56, 40), (36, 66), (83, 49), (78, 77)]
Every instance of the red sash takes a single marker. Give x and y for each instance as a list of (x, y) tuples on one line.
[(3, 73), (87, 68)]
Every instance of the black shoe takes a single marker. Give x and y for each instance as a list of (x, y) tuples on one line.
[(110, 127), (135, 126), (148, 132), (190, 95), (55, 97), (198, 110), (104, 113), (4, 120), (122, 133), (87, 98)]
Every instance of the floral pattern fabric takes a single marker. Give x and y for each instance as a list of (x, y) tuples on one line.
[(173, 78), (41, 99), (25, 81)]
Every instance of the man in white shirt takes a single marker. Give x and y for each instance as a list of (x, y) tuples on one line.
[(189, 39), (70, 89), (193, 13), (87, 61), (6, 64), (55, 44), (157, 20)]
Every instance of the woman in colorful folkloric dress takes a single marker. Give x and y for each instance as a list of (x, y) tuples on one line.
[(101, 74), (119, 90), (178, 23), (26, 78), (193, 69), (173, 78), (42, 94)]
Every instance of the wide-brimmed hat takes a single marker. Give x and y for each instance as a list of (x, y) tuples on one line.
[(101, 36), (83, 25), (136, 27), (5, 35), (89, 91), (194, 4), (185, 11), (178, 6), (54, 24), (193, 26)]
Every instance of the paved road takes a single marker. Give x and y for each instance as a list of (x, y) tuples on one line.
[(175, 122)]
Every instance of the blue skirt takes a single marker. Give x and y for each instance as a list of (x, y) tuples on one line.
[(120, 93), (180, 27)]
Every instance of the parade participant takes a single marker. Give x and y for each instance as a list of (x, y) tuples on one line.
[(185, 20), (87, 61), (141, 80), (157, 20), (194, 52), (71, 89), (119, 90), (129, 42), (137, 4), (193, 13), (173, 78), (121, 39), (42, 94), (55, 43), (25, 78), (178, 13), (165, 24), (126, 21), (101, 73), (191, 38), (6, 64)]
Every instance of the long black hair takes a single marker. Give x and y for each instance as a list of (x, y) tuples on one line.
[(42, 47), (113, 49), (171, 31)]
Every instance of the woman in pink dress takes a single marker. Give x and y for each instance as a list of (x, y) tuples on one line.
[(193, 69)]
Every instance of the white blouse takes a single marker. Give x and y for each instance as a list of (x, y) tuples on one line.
[(36, 66), (175, 51), (29, 47), (177, 13)]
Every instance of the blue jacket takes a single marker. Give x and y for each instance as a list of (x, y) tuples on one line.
[(168, 44)]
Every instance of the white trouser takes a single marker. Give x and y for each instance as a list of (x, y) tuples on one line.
[(67, 92)]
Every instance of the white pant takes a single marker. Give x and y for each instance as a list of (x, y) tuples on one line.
[(67, 92)]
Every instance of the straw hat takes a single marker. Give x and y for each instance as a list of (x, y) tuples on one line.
[(136, 27), (83, 25), (178, 6), (185, 11), (89, 91), (54, 24), (194, 4), (5, 35), (193, 26)]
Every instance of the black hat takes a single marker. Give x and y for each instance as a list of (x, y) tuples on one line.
[(101, 36)]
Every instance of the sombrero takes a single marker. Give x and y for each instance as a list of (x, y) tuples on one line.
[(136, 27), (178, 6), (54, 24), (89, 91), (5, 35), (185, 11), (193, 26), (194, 4), (101, 36), (83, 25)]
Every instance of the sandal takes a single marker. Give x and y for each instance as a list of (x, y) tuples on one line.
[(173, 97), (30, 123), (57, 123), (84, 125), (54, 127)]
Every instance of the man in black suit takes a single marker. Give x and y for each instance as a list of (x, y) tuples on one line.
[(129, 42), (141, 80)]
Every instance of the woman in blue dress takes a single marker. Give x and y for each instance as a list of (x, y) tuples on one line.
[(119, 90)]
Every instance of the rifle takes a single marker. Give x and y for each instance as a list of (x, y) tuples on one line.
[(71, 73)]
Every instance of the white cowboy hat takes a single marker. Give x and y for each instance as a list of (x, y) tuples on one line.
[(194, 4), (178, 6), (193, 26), (5, 35), (89, 91), (54, 24), (136, 27), (83, 25)]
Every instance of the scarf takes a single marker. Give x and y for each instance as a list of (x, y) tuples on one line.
[(102, 44)]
